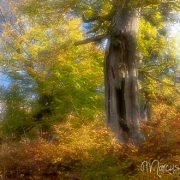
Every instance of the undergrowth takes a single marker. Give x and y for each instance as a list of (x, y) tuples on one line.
[(90, 151)]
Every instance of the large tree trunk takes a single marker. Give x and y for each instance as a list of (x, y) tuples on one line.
[(121, 89)]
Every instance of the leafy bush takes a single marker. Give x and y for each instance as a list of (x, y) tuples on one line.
[(91, 151)]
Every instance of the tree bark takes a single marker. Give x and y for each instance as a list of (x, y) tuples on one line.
[(121, 90)]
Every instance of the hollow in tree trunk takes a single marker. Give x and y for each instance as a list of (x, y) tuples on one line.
[(121, 89)]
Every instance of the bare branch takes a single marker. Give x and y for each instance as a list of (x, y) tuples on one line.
[(2, 16), (92, 39), (96, 18)]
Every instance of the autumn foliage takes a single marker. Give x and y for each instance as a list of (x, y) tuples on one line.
[(52, 124), (90, 151)]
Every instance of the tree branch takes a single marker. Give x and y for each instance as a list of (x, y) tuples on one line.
[(161, 82), (2, 16), (89, 19), (92, 39), (96, 18)]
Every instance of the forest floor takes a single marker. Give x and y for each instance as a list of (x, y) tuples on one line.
[(89, 151)]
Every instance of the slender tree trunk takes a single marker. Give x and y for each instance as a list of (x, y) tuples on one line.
[(121, 89)]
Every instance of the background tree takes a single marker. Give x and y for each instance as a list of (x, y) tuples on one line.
[(157, 60), (50, 78)]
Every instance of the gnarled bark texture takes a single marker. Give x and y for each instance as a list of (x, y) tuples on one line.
[(121, 89)]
